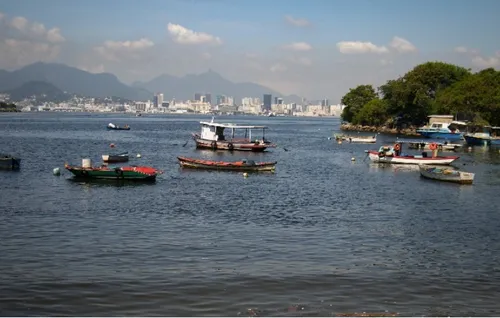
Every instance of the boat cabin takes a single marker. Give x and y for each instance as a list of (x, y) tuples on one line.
[(444, 122), (217, 132)]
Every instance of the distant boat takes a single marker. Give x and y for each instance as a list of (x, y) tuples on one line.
[(111, 126), (358, 139), (212, 137), (393, 155), (447, 174), (114, 158), (9, 162), (244, 165)]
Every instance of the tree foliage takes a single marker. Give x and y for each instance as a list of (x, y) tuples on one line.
[(429, 88), (4, 107), (355, 99)]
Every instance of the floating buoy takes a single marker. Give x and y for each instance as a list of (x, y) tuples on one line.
[(139, 155), (56, 171), (112, 145), (329, 138), (353, 159), (470, 148), (245, 174), (340, 142)]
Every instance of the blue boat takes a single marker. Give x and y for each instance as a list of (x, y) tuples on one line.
[(441, 129), (489, 137)]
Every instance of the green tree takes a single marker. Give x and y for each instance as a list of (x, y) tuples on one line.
[(373, 113), (355, 99), (411, 97), (477, 95)]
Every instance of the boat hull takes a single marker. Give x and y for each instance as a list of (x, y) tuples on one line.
[(446, 175), (410, 160), (10, 163), (115, 158), (440, 135), (123, 173), (479, 141), (230, 146), (118, 128), (227, 166)]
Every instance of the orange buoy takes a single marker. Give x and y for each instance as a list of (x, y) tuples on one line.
[(112, 145)]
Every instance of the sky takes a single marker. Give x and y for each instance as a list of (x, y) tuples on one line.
[(316, 49)]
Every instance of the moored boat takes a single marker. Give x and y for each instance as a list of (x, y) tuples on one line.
[(490, 136), (394, 155), (442, 127), (105, 172), (114, 158), (112, 126), (244, 165), (212, 137), (446, 174), (9, 162)]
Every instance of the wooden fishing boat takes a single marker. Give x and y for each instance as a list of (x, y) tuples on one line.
[(393, 155), (447, 174), (244, 165), (105, 172), (111, 126), (9, 162), (115, 158), (212, 137)]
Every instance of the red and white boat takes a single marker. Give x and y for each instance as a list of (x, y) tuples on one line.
[(212, 137), (393, 155)]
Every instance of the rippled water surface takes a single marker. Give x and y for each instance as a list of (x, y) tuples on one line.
[(323, 235)]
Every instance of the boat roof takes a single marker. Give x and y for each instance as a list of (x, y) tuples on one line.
[(229, 125), (440, 116), (419, 141)]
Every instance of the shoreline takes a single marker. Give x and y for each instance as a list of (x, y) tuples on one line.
[(383, 130)]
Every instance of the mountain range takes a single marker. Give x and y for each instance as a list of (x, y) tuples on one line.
[(58, 79)]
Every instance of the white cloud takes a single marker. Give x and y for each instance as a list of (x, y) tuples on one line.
[(19, 23), (486, 62), (25, 42), (206, 56), (96, 69), (298, 46), (305, 61), (278, 68), (402, 45), (298, 22), (466, 50), (122, 50), (397, 44), (183, 35), (358, 47)]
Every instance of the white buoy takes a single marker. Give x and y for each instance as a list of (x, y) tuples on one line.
[(56, 171), (245, 174), (139, 155), (353, 159)]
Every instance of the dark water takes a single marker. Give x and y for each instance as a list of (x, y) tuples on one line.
[(321, 236)]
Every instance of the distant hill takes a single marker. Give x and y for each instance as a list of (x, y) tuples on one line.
[(71, 80), (185, 87), (43, 91)]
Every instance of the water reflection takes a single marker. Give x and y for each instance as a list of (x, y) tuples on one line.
[(374, 167), (88, 183)]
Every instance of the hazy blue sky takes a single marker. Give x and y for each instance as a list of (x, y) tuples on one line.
[(316, 48)]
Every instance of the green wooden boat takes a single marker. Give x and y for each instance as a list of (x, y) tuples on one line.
[(121, 173)]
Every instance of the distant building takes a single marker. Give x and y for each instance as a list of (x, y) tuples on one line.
[(158, 100), (208, 98), (267, 102), (325, 102), (197, 96), (279, 101)]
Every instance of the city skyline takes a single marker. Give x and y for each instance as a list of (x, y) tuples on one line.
[(317, 51)]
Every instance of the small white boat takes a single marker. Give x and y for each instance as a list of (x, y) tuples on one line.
[(393, 155), (358, 139), (446, 174)]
